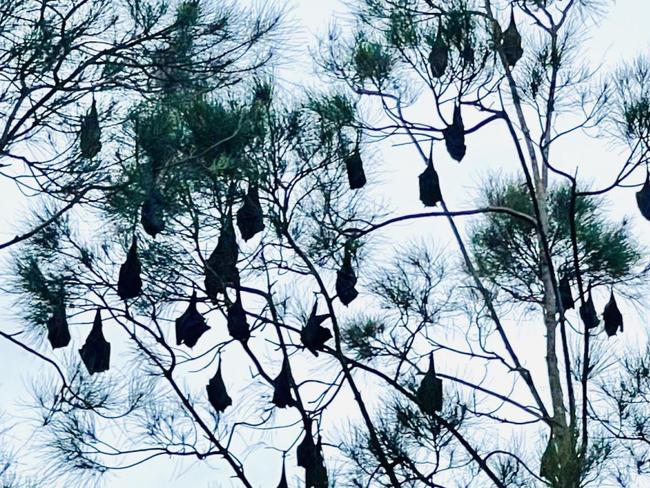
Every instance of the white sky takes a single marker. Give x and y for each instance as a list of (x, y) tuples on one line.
[(622, 34)]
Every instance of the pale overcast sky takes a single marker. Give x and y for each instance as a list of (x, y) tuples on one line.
[(622, 33)]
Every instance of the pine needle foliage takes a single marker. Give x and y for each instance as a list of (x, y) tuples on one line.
[(507, 251)]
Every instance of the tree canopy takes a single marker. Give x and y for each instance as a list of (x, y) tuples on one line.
[(210, 272)]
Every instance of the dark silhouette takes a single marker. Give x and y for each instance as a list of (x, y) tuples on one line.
[(612, 317), (250, 219), (346, 280), (354, 168), (191, 325), (283, 476), (221, 266), (313, 335), (90, 133), (566, 298), (237, 325), (643, 198), (58, 332), (306, 448), (309, 456), (129, 284), (96, 352), (282, 387), (454, 136), (429, 393), (511, 44), (439, 55), (430, 194), (588, 313), (217, 394), (200, 135), (467, 54), (153, 214)]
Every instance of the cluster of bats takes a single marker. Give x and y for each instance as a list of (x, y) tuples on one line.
[(454, 133), (612, 317), (221, 272), (429, 184)]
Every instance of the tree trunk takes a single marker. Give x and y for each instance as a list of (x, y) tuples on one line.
[(559, 463)]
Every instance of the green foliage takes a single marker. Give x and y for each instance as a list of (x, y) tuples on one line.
[(263, 92), (214, 127), (198, 128), (637, 118), (335, 113), (41, 273), (371, 61), (413, 286), (161, 263), (39, 288), (629, 107), (73, 422), (177, 55), (187, 13), (408, 439), (506, 248), (459, 28), (218, 135), (402, 26), (158, 132), (12, 468), (359, 334), (186, 148), (600, 453)]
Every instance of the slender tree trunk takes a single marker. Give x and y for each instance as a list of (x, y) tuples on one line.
[(550, 313), (559, 463)]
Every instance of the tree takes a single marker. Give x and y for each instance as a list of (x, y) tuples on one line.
[(71, 69), (542, 236), (223, 275)]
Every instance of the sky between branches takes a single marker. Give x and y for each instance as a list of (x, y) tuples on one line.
[(621, 35)]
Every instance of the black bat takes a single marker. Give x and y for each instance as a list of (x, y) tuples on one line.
[(96, 352)]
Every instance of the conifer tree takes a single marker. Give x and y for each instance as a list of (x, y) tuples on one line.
[(230, 254)]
